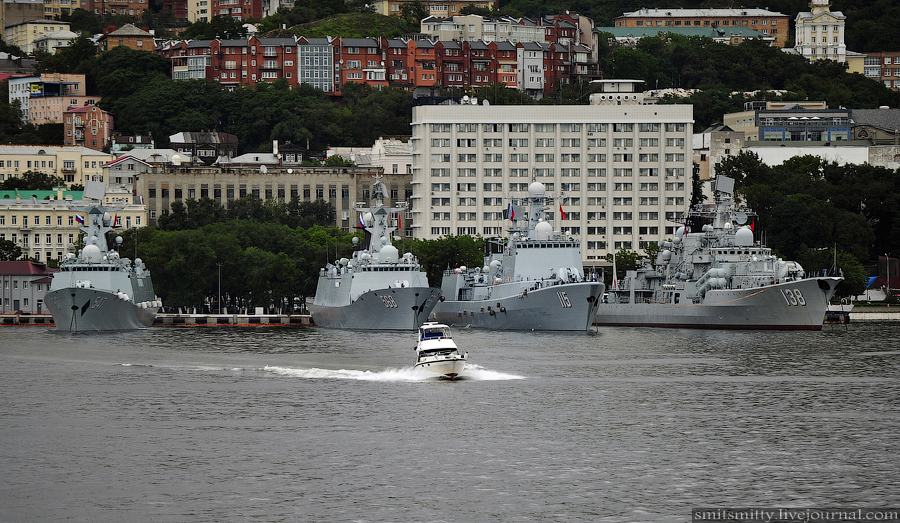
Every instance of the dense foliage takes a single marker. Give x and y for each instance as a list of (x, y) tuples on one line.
[(258, 115), (357, 25), (264, 263), (261, 263), (724, 72), (32, 181), (195, 214)]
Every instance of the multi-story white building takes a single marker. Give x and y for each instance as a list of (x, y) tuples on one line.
[(530, 75), (622, 169), (820, 33), (315, 63)]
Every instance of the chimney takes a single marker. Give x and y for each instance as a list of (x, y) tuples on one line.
[(275, 147)]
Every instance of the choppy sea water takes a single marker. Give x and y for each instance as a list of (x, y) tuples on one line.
[(295, 424)]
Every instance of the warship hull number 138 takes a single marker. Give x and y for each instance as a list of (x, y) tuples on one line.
[(716, 276)]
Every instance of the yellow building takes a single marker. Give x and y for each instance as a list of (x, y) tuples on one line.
[(43, 223), (24, 34), (443, 8), (767, 22), (74, 164)]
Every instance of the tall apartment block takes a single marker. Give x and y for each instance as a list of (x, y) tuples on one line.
[(621, 168)]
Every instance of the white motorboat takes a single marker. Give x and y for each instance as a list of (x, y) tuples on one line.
[(437, 352)]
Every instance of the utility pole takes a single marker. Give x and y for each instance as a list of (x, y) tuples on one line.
[(220, 286)]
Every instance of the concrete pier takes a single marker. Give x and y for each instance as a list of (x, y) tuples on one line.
[(185, 320)]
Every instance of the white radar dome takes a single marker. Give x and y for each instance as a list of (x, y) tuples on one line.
[(92, 254), (389, 254), (543, 230), (743, 237), (536, 189)]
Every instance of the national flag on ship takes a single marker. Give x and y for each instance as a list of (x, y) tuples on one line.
[(79, 219), (117, 222), (361, 222), (511, 212), (562, 213)]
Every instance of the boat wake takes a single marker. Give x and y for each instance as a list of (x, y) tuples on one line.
[(472, 372)]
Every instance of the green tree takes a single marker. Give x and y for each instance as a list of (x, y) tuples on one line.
[(625, 260), (414, 12), (78, 57), (446, 252), (9, 251), (337, 161), (836, 262), (32, 181), (223, 27), (121, 69)]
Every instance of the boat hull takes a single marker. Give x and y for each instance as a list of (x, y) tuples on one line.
[(79, 309), (568, 307), (796, 305), (403, 308), (450, 368)]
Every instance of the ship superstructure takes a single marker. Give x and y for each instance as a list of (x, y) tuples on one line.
[(377, 288), (97, 289), (532, 280)]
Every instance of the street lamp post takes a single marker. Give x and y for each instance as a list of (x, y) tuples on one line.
[(220, 286)]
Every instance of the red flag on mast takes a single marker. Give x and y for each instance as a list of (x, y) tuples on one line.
[(562, 213)]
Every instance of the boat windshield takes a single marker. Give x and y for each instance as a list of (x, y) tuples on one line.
[(435, 333)]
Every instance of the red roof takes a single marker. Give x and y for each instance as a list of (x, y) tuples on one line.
[(18, 268)]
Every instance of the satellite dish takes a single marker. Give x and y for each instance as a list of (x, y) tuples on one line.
[(263, 169), (176, 160), (485, 103), (741, 217), (290, 171)]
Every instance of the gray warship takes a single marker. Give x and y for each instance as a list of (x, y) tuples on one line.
[(377, 289), (534, 280), (96, 289), (713, 274)]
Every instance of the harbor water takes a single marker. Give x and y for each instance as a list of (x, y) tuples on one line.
[(205, 424)]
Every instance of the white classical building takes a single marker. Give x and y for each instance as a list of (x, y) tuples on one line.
[(819, 34), (621, 169)]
